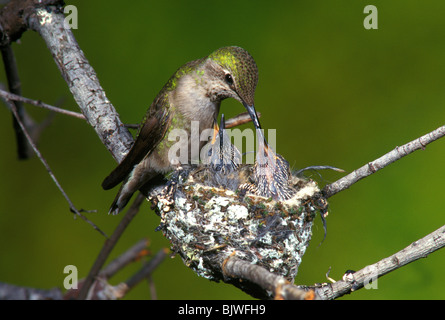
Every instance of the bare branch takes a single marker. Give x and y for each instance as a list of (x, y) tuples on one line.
[(82, 80), (14, 15), (24, 150), (135, 252), (239, 269), (14, 97), (240, 119), (147, 269), (12, 292), (374, 166), (416, 250)]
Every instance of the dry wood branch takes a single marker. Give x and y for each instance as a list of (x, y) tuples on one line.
[(147, 269), (132, 254), (24, 150), (374, 166), (416, 250), (240, 119), (82, 80), (279, 288), (14, 97), (12, 292), (14, 15)]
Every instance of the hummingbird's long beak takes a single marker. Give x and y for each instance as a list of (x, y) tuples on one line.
[(253, 115), (256, 121)]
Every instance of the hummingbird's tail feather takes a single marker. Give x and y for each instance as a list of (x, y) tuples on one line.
[(120, 201), (151, 132), (114, 208), (121, 172), (112, 180), (147, 182)]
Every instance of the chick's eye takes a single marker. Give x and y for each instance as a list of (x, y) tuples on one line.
[(229, 79)]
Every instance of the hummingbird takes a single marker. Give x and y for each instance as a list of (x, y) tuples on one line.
[(193, 93)]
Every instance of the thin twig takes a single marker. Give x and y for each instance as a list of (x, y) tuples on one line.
[(147, 269), (374, 166), (133, 126), (152, 287), (51, 174), (109, 245), (239, 119), (416, 250), (14, 97), (135, 252)]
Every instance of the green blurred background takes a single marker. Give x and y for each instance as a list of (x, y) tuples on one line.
[(336, 93)]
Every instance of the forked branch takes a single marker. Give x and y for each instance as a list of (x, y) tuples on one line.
[(374, 166), (354, 281)]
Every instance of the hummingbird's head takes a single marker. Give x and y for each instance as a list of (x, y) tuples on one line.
[(235, 75)]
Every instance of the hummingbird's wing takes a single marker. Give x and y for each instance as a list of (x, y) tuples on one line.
[(150, 134)]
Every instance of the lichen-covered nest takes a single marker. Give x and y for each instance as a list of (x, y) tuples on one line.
[(206, 224)]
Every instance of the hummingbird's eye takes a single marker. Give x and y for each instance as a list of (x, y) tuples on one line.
[(229, 79)]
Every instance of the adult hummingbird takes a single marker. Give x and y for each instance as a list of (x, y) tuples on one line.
[(193, 93)]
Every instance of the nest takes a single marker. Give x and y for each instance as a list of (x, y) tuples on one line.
[(206, 223)]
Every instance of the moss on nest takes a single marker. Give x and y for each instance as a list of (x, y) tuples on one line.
[(205, 223)]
